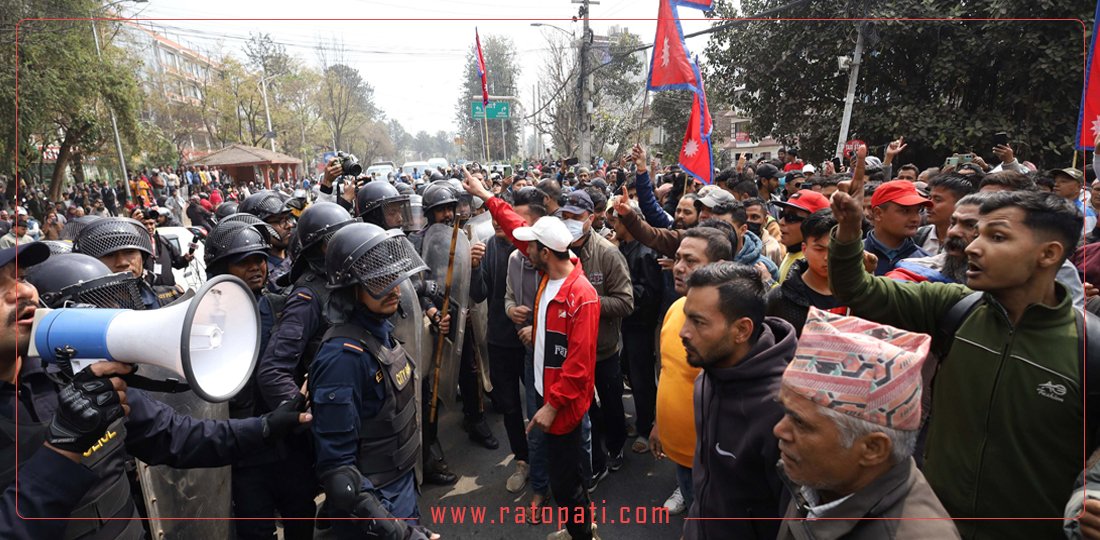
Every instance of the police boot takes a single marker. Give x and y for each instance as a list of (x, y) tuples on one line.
[(479, 432), (436, 471)]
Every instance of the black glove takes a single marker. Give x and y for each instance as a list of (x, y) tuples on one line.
[(86, 408), (342, 487), (280, 422)]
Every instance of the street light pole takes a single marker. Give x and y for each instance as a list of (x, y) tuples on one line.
[(114, 122), (584, 132)]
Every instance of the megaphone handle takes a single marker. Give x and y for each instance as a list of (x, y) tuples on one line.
[(64, 360), (167, 386)]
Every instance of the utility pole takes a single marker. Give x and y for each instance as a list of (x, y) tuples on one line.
[(114, 123), (584, 127), (850, 98), (267, 112)]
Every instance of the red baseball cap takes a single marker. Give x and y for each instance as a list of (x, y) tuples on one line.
[(806, 200), (900, 192)]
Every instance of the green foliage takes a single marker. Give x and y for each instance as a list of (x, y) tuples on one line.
[(65, 91), (945, 86)]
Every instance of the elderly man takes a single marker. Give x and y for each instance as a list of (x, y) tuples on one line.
[(851, 400)]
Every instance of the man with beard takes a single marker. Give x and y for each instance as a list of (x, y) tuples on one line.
[(743, 355), (686, 214), (566, 325), (949, 266)]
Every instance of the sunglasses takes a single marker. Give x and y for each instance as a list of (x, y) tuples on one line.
[(791, 217)]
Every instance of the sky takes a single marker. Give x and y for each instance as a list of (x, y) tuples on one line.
[(414, 65)]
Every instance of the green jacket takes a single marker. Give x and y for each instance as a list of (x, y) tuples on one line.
[(1006, 433)]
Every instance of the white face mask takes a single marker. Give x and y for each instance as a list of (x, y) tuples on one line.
[(576, 227)]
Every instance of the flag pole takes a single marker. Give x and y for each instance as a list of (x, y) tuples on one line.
[(485, 134)]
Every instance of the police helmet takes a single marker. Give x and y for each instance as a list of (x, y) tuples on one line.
[(373, 200), (74, 225), (319, 222), (254, 221), (58, 247), (75, 278), (225, 209), (438, 194), (264, 204), (110, 235), (366, 254), (234, 241)]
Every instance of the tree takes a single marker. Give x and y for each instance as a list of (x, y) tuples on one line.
[(503, 69), (345, 100), (402, 141), (66, 91), (946, 86)]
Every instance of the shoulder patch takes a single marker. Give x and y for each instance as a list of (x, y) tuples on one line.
[(305, 296), (352, 346)]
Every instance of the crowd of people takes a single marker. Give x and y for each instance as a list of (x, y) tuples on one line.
[(870, 350)]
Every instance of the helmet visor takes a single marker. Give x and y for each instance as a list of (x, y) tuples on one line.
[(384, 266)]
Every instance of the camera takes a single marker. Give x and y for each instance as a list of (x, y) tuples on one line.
[(349, 164)]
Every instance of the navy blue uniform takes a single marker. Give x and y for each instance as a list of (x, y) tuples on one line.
[(153, 433), (276, 267), (281, 368), (348, 386)]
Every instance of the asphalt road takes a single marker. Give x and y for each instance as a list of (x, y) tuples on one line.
[(633, 492)]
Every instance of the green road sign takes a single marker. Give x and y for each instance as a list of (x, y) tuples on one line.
[(497, 110)]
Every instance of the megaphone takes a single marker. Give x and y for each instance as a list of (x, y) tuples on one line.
[(213, 339)]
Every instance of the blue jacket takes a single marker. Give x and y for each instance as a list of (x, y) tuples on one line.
[(889, 258), (651, 209), (752, 252)]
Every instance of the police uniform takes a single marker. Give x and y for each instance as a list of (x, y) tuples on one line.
[(364, 407), (153, 433), (363, 390)]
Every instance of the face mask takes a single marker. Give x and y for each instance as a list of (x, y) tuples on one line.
[(754, 228), (576, 228)]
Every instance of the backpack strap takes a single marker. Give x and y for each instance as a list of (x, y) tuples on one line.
[(953, 320), (1088, 356)]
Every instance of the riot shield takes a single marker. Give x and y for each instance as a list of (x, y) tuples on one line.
[(480, 229), (409, 328), (186, 493), (435, 251)]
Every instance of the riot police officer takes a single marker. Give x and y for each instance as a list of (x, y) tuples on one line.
[(279, 480), (383, 204), (152, 431), (270, 207), (225, 209), (123, 244), (441, 202), (363, 390)]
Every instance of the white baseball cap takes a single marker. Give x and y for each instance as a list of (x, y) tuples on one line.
[(809, 169), (548, 231)]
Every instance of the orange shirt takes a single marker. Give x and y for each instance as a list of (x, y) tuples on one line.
[(675, 391)]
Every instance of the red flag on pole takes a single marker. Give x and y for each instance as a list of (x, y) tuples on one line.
[(670, 68), (697, 4), (695, 153), (1088, 123), (481, 72)]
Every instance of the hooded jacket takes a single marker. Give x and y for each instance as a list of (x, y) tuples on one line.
[(792, 299), (752, 252), (734, 472), (1011, 445)]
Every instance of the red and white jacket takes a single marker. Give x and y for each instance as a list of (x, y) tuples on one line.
[(572, 326)]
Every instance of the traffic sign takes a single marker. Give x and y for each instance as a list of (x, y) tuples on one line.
[(851, 146), (497, 110)]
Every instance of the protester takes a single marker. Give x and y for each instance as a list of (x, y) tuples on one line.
[(848, 453), (1023, 314)]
